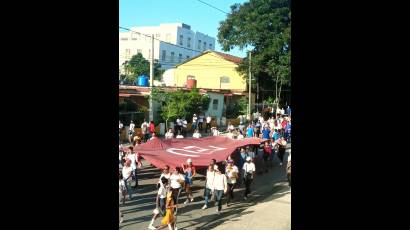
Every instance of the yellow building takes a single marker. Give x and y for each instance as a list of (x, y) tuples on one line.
[(211, 70)]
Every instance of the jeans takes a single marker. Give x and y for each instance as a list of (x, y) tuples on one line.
[(207, 193), (230, 192), (218, 196), (193, 127), (248, 187), (135, 178), (281, 153), (128, 187)]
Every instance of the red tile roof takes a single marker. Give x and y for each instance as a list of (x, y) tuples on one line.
[(229, 57)]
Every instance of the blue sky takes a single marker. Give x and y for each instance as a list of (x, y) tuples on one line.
[(199, 16)]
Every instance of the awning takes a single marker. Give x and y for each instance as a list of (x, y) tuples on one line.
[(175, 151)]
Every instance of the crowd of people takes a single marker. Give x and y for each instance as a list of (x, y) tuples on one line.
[(222, 178)]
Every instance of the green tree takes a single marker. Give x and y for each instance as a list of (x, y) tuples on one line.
[(179, 104), (264, 25), (138, 65)]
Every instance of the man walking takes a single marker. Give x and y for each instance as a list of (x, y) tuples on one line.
[(249, 174), (144, 130), (131, 131)]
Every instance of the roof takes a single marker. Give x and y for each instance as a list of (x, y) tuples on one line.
[(227, 57)]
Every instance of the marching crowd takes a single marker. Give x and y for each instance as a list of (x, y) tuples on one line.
[(221, 178)]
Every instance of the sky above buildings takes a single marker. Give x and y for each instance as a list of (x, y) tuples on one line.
[(199, 16)]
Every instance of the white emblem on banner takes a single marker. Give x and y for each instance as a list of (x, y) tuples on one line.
[(194, 151)]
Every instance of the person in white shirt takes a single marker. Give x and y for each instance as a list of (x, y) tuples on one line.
[(210, 175), (122, 194), (196, 134), (169, 134), (232, 174), (208, 123), (176, 182), (178, 127), (131, 131), (127, 175), (144, 130), (119, 132), (184, 126), (215, 131), (194, 122), (249, 174), (200, 122), (165, 173), (220, 186), (160, 201), (133, 157)]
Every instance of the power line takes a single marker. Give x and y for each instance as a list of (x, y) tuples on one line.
[(216, 8)]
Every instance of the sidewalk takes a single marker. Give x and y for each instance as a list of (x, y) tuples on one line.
[(272, 213)]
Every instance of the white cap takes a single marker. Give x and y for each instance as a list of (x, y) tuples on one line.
[(216, 167), (248, 158), (189, 160)]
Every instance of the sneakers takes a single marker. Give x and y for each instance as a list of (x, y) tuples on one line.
[(192, 199), (218, 212), (204, 207), (281, 164), (245, 198), (151, 227), (121, 220), (186, 202)]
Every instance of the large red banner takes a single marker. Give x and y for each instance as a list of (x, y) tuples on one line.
[(173, 152)]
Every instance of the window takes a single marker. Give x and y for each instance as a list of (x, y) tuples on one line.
[(215, 104), (199, 44), (172, 56), (181, 38), (210, 46), (127, 53), (224, 82), (204, 45), (164, 54), (188, 42), (224, 79), (139, 51), (180, 57)]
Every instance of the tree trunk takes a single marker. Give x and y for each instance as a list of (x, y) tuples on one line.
[(280, 89)]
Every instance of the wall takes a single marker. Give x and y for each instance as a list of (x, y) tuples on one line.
[(208, 69), (218, 112)]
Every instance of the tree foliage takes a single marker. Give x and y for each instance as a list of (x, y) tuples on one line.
[(138, 66), (264, 25), (180, 104), (236, 108)]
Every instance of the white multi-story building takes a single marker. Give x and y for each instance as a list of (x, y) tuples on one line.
[(191, 43)]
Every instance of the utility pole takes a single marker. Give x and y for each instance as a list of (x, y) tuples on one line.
[(250, 85), (151, 78)]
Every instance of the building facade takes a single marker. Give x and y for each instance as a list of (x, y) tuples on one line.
[(211, 70), (191, 43)]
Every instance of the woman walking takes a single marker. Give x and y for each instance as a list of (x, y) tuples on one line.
[(169, 218), (190, 172)]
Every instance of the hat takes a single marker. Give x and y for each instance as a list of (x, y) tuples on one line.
[(248, 158), (230, 161), (216, 167), (189, 160)]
